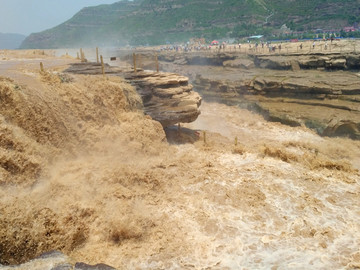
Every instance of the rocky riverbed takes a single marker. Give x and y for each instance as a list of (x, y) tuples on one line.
[(317, 90)]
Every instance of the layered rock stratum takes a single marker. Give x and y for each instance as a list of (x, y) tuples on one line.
[(320, 90), (167, 97)]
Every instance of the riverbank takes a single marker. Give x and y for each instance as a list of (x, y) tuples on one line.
[(317, 90)]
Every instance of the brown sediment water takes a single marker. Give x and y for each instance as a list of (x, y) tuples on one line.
[(84, 172)]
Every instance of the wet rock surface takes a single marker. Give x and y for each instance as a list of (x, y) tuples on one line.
[(84, 266), (55, 260)]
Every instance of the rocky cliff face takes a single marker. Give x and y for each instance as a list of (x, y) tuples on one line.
[(314, 90), (326, 61), (331, 108), (167, 97)]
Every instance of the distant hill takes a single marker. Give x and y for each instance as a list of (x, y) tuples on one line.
[(142, 22), (11, 41)]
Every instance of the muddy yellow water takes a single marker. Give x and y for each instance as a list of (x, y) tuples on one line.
[(82, 171)]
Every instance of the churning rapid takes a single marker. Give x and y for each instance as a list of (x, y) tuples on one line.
[(85, 172)]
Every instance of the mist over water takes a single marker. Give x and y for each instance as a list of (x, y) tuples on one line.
[(84, 172)]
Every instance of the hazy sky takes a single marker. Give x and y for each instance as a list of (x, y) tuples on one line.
[(31, 16)]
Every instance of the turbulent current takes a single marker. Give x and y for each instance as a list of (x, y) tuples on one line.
[(84, 172)]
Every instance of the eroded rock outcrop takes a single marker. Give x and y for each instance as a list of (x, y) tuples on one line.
[(303, 88), (167, 97), (328, 61), (324, 60), (211, 58), (303, 98), (239, 63)]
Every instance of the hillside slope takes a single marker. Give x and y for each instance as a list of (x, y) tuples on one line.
[(160, 21)]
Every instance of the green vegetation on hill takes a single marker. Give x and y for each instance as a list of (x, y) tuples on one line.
[(153, 22), (327, 14)]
